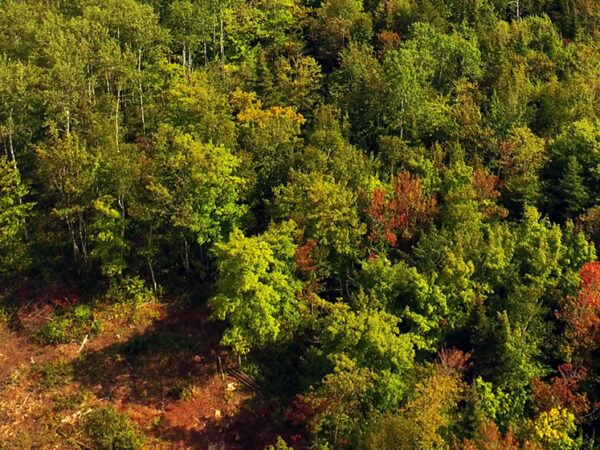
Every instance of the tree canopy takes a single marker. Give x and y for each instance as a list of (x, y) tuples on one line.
[(396, 199)]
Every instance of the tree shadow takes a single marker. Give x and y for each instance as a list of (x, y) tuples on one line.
[(252, 427), (154, 366), (171, 373)]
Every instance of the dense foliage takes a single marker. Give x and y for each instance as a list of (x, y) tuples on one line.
[(392, 204)]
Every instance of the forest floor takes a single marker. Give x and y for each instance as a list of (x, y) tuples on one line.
[(158, 366)]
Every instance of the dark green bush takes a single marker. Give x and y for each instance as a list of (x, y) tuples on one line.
[(111, 430)]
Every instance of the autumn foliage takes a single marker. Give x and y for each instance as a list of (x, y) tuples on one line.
[(402, 214), (351, 188), (304, 260), (388, 41), (562, 392), (491, 438), (486, 189), (582, 312)]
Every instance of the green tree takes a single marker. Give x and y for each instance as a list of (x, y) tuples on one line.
[(326, 212), (574, 167), (360, 88), (410, 296), (109, 243), (337, 409), (14, 213), (69, 170), (257, 289), (195, 185), (196, 107), (18, 95), (328, 151), (190, 24), (336, 23), (523, 156), (269, 141), (426, 419), (414, 109)]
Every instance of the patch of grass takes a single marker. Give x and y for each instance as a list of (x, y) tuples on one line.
[(72, 400), (181, 391), (16, 375), (4, 313), (177, 391), (52, 374), (109, 430), (188, 393), (156, 423)]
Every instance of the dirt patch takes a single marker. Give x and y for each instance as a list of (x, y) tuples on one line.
[(161, 369)]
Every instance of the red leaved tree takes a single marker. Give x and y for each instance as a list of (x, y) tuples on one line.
[(400, 215), (485, 186), (489, 437), (582, 314), (562, 392), (307, 265)]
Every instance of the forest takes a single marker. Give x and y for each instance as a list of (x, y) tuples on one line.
[(382, 215)]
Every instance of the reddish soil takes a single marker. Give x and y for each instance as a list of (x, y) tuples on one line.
[(161, 369)]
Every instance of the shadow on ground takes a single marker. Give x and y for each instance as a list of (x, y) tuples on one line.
[(168, 379)]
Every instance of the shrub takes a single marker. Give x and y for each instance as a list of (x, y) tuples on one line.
[(55, 331), (68, 324), (131, 291), (111, 430)]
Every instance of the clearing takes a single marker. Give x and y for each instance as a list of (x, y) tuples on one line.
[(158, 365)]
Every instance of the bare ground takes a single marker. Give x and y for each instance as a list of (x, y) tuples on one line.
[(161, 369)]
